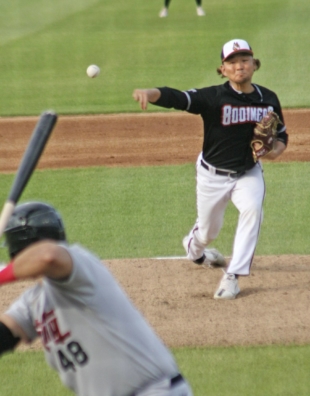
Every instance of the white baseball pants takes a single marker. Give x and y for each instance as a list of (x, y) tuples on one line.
[(213, 194)]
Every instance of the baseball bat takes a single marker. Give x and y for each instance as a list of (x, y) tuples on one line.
[(37, 142)]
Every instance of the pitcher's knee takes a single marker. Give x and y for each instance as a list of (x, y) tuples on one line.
[(253, 212)]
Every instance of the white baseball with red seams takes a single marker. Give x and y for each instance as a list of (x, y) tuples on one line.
[(93, 71)]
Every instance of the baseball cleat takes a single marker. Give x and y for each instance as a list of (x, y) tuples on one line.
[(200, 11), (228, 289), (213, 259), (163, 13)]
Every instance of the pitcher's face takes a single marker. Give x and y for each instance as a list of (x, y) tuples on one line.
[(239, 69)]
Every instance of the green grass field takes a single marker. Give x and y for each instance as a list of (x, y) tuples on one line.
[(150, 209), (45, 48), (243, 371)]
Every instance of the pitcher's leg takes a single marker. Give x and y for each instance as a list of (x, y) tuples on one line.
[(248, 197), (212, 198)]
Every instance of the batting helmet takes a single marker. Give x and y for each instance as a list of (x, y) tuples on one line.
[(32, 222)]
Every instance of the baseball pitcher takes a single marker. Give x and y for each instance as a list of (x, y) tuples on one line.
[(243, 123)]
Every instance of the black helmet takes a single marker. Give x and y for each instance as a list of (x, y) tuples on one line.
[(31, 222)]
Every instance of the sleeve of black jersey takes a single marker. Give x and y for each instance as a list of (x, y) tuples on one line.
[(172, 98), (195, 101), (282, 135)]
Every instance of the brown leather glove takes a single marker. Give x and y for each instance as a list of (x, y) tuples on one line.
[(264, 135)]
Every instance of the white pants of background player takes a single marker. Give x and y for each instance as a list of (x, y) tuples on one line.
[(164, 388), (213, 194)]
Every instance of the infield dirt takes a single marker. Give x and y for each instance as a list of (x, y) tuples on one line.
[(176, 296)]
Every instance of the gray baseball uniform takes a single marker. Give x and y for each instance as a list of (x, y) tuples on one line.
[(94, 337)]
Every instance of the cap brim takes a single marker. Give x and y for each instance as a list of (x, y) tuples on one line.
[(241, 51)]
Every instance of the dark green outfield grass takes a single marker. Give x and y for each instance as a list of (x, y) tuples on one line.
[(255, 371), (146, 211), (45, 48)]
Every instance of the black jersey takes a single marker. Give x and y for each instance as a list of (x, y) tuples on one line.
[(229, 118)]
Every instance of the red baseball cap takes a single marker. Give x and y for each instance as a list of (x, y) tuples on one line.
[(235, 46)]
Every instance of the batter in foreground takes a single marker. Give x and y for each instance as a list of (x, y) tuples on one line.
[(227, 168), (92, 335)]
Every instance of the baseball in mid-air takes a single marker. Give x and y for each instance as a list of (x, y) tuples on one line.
[(93, 71)]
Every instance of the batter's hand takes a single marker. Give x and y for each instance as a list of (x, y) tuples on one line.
[(144, 96)]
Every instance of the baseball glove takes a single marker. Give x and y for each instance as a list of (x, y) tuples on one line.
[(264, 136)]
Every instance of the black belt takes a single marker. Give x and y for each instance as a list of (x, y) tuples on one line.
[(223, 173), (173, 381)]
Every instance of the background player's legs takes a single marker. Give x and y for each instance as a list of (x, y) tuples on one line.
[(164, 12), (200, 11), (247, 196)]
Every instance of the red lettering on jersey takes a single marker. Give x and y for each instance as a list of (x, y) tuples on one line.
[(49, 330), (56, 334), (45, 337)]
